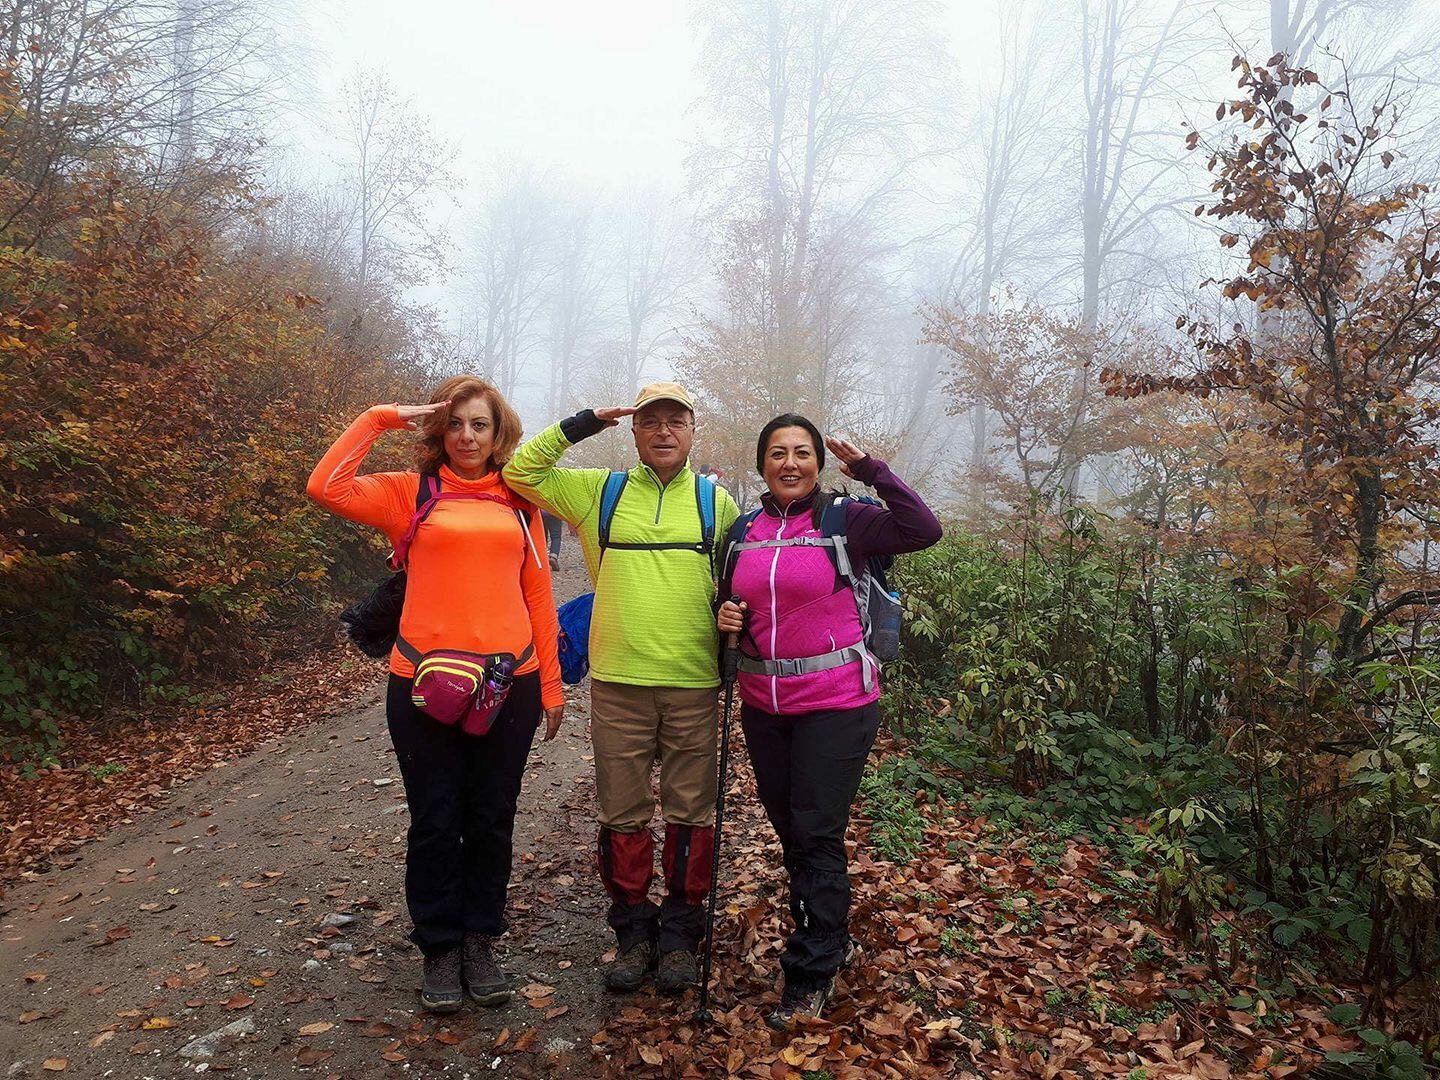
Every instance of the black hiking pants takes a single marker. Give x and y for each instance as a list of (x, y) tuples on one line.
[(807, 770), (462, 791)]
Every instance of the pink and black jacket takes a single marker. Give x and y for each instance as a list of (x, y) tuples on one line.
[(802, 608)]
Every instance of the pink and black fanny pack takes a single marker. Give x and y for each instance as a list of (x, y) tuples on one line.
[(465, 688), (453, 686)]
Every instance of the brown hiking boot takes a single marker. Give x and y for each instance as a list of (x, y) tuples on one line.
[(485, 981), (678, 972), (442, 992), (629, 970)]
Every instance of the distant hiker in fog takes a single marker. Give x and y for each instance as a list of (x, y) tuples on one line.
[(476, 651), (554, 533), (816, 622), (648, 536)]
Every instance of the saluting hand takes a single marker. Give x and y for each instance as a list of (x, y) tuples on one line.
[(847, 452), (611, 417), (411, 413)]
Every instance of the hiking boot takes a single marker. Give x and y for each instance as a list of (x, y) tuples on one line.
[(629, 971), (485, 981), (796, 1005), (678, 972), (442, 991)]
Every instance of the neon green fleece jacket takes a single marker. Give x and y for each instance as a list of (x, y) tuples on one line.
[(652, 624)]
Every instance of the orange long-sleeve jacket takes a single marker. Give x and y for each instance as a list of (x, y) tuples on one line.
[(473, 583)]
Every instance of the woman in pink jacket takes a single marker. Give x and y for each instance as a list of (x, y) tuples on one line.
[(809, 684)]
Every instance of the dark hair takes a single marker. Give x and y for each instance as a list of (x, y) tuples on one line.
[(785, 420), (823, 498)]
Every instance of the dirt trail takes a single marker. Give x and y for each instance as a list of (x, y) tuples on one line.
[(268, 895)]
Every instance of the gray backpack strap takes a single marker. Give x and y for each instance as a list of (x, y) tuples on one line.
[(842, 557), (809, 665), (795, 541), (860, 588)]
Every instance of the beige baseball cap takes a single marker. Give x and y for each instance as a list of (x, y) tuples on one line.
[(664, 391)]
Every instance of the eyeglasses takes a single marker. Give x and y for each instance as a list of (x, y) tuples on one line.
[(651, 423)]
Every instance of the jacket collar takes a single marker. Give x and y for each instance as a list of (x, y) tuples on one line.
[(773, 508), (491, 482), (654, 477)]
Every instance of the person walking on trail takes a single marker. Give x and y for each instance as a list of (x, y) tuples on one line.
[(477, 582), (554, 533), (809, 680), (654, 675)]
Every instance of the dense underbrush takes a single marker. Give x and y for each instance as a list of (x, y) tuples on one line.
[(1277, 808)]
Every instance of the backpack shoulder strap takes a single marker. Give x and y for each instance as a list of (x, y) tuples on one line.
[(733, 538), (832, 526), (427, 491), (520, 504), (705, 503), (524, 514), (609, 500)]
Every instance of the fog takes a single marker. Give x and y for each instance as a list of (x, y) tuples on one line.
[(780, 201)]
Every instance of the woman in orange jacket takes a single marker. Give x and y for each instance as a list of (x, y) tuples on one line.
[(478, 581)]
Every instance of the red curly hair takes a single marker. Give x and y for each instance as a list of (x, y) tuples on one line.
[(430, 449)]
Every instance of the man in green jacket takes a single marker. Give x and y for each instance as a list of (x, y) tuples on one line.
[(653, 669)]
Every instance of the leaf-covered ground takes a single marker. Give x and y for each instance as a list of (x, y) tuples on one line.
[(987, 955), (235, 875), (111, 771), (254, 926)]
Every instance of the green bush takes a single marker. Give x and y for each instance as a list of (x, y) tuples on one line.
[(1189, 717)]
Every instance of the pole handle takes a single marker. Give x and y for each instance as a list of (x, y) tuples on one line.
[(730, 659)]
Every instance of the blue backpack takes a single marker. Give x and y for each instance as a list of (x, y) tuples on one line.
[(575, 614), (575, 638)]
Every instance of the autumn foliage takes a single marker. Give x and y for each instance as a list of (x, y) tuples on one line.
[(168, 378), (1243, 662)]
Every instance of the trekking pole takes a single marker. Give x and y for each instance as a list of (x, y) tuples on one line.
[(729, 665)]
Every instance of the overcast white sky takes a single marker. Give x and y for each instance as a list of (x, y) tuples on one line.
[(598, 90)]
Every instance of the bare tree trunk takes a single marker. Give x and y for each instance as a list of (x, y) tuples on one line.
[(778, 208), (185, 82)]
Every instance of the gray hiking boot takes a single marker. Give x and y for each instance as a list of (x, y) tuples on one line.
[(485, 981), (678, 972), (442, 992), (796, 1005), (630, 969)]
